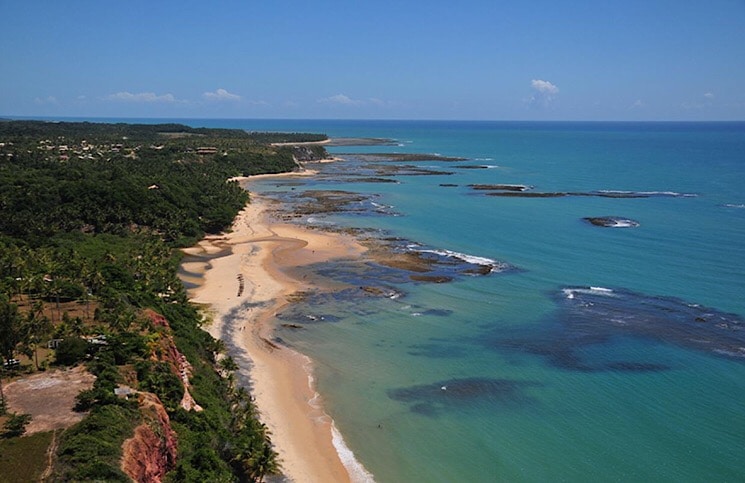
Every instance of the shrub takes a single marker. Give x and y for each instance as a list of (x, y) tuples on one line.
[(16, 425), (71, 350)]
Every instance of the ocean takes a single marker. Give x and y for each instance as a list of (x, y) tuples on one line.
[(588, 353), (602, 354)]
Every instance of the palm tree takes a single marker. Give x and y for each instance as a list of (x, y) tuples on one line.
[(19, 266), (263, 463), (35, 328), (10, 330)]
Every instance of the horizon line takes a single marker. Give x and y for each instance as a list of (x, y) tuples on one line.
[(62, 118)]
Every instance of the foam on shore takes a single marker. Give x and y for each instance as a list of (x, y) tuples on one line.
[(357, 472)]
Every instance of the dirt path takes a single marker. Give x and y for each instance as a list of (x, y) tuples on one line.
[(51, 451)]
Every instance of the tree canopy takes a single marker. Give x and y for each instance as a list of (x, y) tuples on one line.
[(90, 216)]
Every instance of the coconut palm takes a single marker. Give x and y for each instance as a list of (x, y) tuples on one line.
[(10, 328), (35, 328)]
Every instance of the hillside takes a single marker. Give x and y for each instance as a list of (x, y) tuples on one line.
[(91, 216)]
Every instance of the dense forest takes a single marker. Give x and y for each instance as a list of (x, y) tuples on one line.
[(91, 216)]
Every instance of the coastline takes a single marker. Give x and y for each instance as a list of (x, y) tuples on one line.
[(244, 285)]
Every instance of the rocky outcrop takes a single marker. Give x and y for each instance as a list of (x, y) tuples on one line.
[(611, 222), (151, 452), (309, 152)]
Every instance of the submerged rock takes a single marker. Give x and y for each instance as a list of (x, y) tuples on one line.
[(430, 399), (596, 316), (598, 193), (500, 187), (612, 222)]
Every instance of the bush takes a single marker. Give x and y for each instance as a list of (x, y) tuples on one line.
[(16, 425), (71, 351), (157, 377)]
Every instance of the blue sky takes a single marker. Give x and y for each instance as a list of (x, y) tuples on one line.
[(382, 59)]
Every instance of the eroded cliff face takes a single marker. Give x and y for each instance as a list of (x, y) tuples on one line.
[(151, 452), (166, 351)]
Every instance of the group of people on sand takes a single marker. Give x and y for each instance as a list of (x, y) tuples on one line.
[(241, 284)]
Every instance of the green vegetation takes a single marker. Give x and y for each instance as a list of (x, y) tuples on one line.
[(281, 137), (24, 459), (15, 425), (90, 215), (125, 179), (92, 449)]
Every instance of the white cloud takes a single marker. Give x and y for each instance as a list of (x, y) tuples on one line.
[(146, 97), (709, 95), (637, 104), (544, 87), (342, 100), (544, 93), (221, 95)]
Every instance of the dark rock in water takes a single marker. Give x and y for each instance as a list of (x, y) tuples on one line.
[(430, 399), (297, 317), (407, 157), (437, 312), (529, 194), (377, 291), (369, 179), (600, 194), (437, 351), (595, 316), (448, 185), (500, 187), (636, 367), (612, 222), (480, 270), (431, 278)]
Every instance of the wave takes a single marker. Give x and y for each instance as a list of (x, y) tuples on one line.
[(381, 206), (612, 222), (476, 260), (357, 472), (483, 159), (673, 194), (732, 205), (312, 220), (571, 291), (624, 223)]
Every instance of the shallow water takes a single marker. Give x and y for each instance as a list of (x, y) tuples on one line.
[(638, 376)]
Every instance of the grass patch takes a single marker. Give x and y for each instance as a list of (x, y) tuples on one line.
[(23, 459)]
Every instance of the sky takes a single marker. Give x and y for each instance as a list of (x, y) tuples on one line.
[(382, 59)]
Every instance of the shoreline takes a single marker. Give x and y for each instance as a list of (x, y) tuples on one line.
[(244, 286)]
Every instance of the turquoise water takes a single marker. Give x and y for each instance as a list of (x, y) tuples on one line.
[(531, 374), (534, 396)]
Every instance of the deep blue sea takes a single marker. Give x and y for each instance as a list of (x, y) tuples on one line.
[(601, 354)]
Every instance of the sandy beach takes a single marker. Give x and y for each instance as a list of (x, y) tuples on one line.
[(243, 285)]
